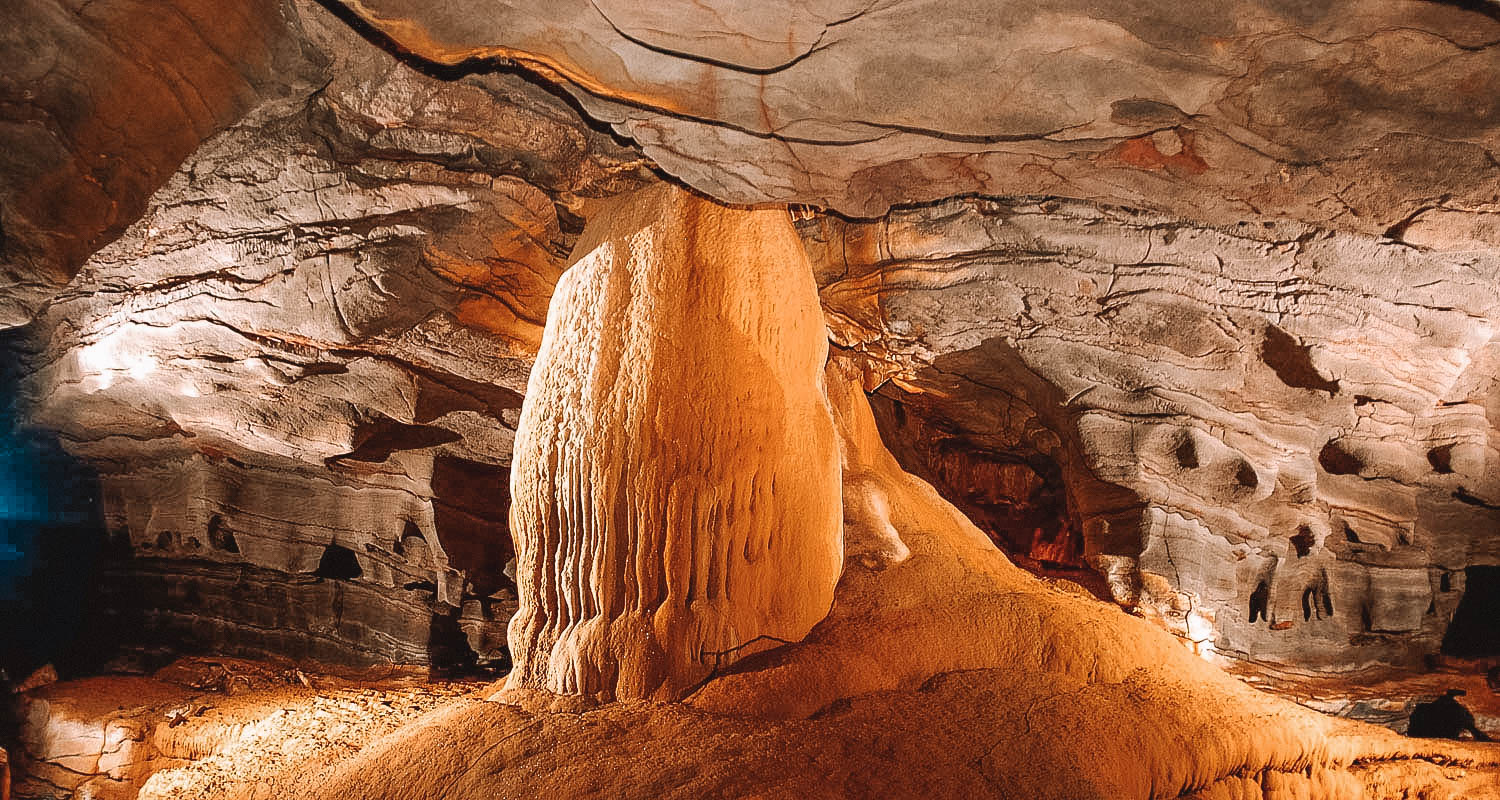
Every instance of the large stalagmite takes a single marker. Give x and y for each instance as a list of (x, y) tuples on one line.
[(676, 475)]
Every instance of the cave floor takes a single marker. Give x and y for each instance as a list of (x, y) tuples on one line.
[(231, 728), (212, 727)]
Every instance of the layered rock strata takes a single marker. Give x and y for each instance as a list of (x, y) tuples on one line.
[(298, 374), (338, 295), (102, 101), (942, 671), (1279, 439), (1361, 115), (675, 483)]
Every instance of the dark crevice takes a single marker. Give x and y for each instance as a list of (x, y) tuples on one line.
[(1292, 362), (220, 538), (1473, 632), (338, 563), (471, 516), (1260, 600), (1186, 453), (1336, 460), (448, 649), (1303, 541), (374, 442), (1441, 459)]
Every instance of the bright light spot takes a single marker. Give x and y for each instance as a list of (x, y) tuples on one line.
[(102, 362), (141, 366), (1198, 627), (189, 390), (98, 383), (1200, 632)]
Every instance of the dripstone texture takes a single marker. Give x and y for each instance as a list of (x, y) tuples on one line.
[(288, 314), (677, 502)]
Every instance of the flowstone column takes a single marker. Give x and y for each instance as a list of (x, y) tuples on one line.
[(676, 479)]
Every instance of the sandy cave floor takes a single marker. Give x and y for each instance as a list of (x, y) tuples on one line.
[(231, 728), (214, 727)]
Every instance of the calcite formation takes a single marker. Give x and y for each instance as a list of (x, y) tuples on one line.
[(942, 671), (1196, 308), (675, 483)]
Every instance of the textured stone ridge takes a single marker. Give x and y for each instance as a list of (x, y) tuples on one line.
[(1280, 439), (676, 480), (101, 101), (1369, 115)]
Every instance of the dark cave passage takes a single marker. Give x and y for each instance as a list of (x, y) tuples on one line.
[(1019, 499), (51, 540), (1475, 630)]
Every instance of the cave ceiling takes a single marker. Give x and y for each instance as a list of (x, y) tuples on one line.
[(1349, 114)]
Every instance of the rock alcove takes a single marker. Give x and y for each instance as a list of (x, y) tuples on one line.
[(717, 399)]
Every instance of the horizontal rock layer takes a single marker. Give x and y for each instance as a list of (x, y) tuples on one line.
[(1361, 115), (315, 336)]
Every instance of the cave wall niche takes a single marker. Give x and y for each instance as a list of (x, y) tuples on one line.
[(1223, 455), (1018, 498)]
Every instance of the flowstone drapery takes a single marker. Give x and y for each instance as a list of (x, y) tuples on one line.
[(676, 476)]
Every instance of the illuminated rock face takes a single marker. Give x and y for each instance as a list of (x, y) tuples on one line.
[(676, 481), (298, 374), (1279, 439), (1365, 115), (313, 343)]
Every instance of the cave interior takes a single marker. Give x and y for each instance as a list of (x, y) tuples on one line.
[(839, 399)]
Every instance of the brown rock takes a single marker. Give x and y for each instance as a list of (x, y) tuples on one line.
[(1361, 115), (103, 100), (1242, 419)]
